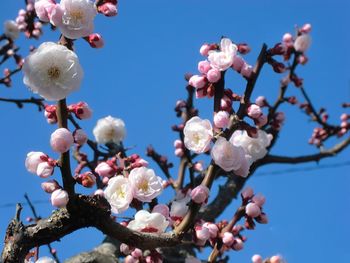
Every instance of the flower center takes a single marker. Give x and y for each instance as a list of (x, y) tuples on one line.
[(196, 138), (53, 73), (143, 186), (120, 193)]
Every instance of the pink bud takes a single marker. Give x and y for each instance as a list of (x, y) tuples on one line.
[(287, 38), (238, 244), (228, 239), (80, 137), (221, 119), (178, 144), (213, 75), (280, 116), (95, 40), (260, 101), (275, 259), (257, 259), (44, 170), (197, 81), (205, 49), (198, 166), (108, 9), (200, 194), (254, 111), (213, 229), (302, 43), (306, 28), (238, 63), (55, 14), (261, 121), (204, 66), (50, 186), (61, 140), (252, 210), (259, 199), (81, 110), (99, 192), (247, 70), (179, 152), (161, 209), (202, 233), (137, 253), (105, 180), (344, 117), (247, 193), (87, 179), (105, 170), (59, 198), (33, 160)]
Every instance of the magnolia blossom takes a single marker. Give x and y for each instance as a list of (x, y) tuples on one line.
[(255, 147), (52, 71), (109, 129), (226, 155), (59, 198), (198, 134), (61, 140), (223, 59), (302, 43), (148, 222), (119, 193), (11, 29), (146, 185), (74, 18)]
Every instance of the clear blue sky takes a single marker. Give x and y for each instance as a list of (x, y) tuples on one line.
[(139, 75)]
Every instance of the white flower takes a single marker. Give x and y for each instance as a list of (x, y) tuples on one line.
[(198, 134), (302, 43), (255, 147), (119, 193), (148, 222), (179, 207), (45, 260), (226, 155), (77, 18), (11, 29), (223, 59), (53, 71), (33, 160), (109, 129), (146, 185), (192, 259)]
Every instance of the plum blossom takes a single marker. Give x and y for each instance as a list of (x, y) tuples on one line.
[(109, 130), (226, 155), (43, 8), (179, 207), (105, 169), (80, 137), (50, 186), (148, 222), (221, 119), (223, 59), (197, 81), (52, 71), (74, 18), (198, 134), (11, 29), (146, 185), (255, 147), (59, 198), (257, 259), (302, 43), (44, 169), (33, 160), (119, 193), (45, 260), (61, 140), (252, 210), (200, 194)]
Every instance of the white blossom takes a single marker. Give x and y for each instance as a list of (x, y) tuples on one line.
[(77, 18), (53, 71), (226, 155), (223, 59), (148, 222), (146, 185), (45, 260), (255, 147), (179, 206), (109, 129), (11, 29), (119, 193), (302, 43), (198, 134)]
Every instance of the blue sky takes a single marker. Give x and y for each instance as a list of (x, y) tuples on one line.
[(138, 77)]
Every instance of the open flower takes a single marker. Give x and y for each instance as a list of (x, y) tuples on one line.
[(198, 134), (223, 59), (119, 194), (146, 185), (52, 71), (74, 18), (149, 222), (109, 129)]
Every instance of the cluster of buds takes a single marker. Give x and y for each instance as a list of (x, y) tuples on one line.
[(81, 110), (253, 208), (318, 136), (205, 231), (40, 164), (274, 259), (135, 255), (234, 239), (179, 148), (27, 22), (254, 111), (345, 124), (86, 179)]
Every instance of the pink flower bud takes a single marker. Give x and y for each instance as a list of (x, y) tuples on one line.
[(247, 70), (137, 253), (80, 137), (221, 119), (108, 9), (252, 210), (87, 179), (179, 152), (228, 239), (50, 186), (95, 40), (44, 170), (257, 259), (161, 209), (302, 43), (81, 110), (280, 116), (197, 81), (198, 166), (204, 66), (238, 244), (213, 229), (33, 160), (105, 170), (306, 28), (259, 199), (213, 75), (59, 198), (344, 117), (260, 101), (99, 192), (200, 194), (275, 259), (261, 121), (238, 63), (205, 49), (61, 140), (202, 233), (105, 180), (254, 111), (247, 193), (178, 144)]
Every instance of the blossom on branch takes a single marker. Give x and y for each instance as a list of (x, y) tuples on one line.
[(109, 130), (148, 222), (198, 134), (223, 59)]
